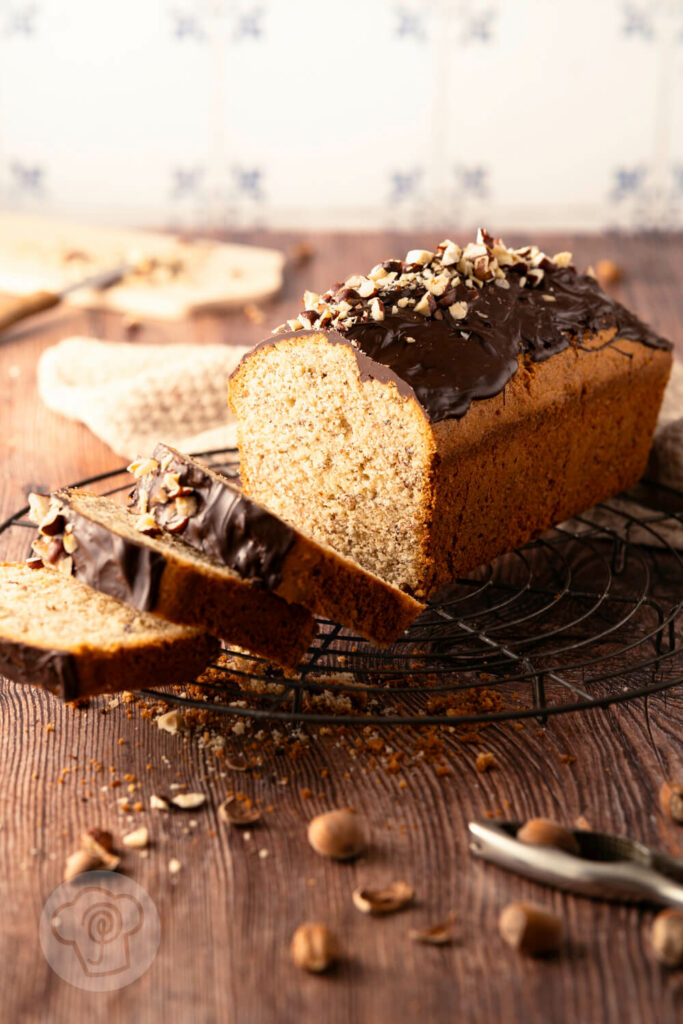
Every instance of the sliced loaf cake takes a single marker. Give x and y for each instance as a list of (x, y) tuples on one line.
[(441, 410), (212, 514), (128, 557), (57, 633)]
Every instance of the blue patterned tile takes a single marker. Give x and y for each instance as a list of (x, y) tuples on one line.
[(409, 23), (477, 26), (472, 181), (249, 24), (404, 185), (248, 183), (628, 183), (637, 21), (27, 179), (187, 24), (20, 20), (186, 182)]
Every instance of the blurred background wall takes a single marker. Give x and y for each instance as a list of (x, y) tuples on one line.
[(356, 113)]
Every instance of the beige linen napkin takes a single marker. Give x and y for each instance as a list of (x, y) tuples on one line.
[(134, 395)]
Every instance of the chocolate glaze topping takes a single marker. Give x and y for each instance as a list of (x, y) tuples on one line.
[(226, 525), (448, 371), (52, 669), (462, 340), (113, 564)]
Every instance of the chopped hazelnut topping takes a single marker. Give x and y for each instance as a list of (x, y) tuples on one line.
[(377, 309), (38, 507), (146, 523), (426, 281), (421, 256), (458, 310), (141, 467)]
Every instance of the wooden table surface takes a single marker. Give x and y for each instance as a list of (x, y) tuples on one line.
[(227, 916)]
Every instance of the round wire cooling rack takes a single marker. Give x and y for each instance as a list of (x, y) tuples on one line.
[(587, 615)]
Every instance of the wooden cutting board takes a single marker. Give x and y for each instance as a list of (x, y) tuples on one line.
[(175, 277)]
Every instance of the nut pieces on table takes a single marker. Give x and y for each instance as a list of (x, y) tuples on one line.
[(237, 812), (188, 801), (440, 934), (383, 901), (96, 853)]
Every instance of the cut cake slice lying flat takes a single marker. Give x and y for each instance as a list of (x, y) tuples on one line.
[(103, 545), (57, 633)]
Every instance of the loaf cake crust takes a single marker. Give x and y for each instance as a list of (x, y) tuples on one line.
[(212, 514), (465, 400), (57, 633), (101, 544)]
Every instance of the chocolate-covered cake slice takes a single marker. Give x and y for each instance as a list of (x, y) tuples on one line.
[(443, 409), (213, 515), (130, 558), (57, 633)]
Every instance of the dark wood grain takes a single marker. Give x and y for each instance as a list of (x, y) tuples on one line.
[(228, 916)]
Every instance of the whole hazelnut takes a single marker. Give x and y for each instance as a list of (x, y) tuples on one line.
[(671, 801), (531, 928), (545, 832), (336, 834), (667, 937), (314, 947)]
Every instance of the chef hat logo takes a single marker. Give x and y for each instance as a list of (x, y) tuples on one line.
[(100, 936), (98, 925)]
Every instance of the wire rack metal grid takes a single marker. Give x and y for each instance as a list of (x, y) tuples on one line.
[(587, 615)]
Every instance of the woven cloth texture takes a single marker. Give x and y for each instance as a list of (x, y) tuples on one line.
[(134, 395)]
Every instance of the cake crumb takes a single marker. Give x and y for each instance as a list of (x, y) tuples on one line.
[(485, 762)]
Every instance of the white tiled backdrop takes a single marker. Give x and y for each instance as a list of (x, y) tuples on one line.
[(344, 113)]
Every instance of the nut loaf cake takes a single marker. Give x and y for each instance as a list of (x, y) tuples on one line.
[(212, 514), (443, 410), (104, 545), (57, 633)]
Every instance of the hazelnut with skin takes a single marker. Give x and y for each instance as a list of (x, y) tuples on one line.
[(314, 947), (671, 801), (531, 928), (337, 834), (545, 832), (667, 937)]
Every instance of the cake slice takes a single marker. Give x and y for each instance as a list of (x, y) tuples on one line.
[(213, 515), (102, 544), (57, 633), (443, 409)]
